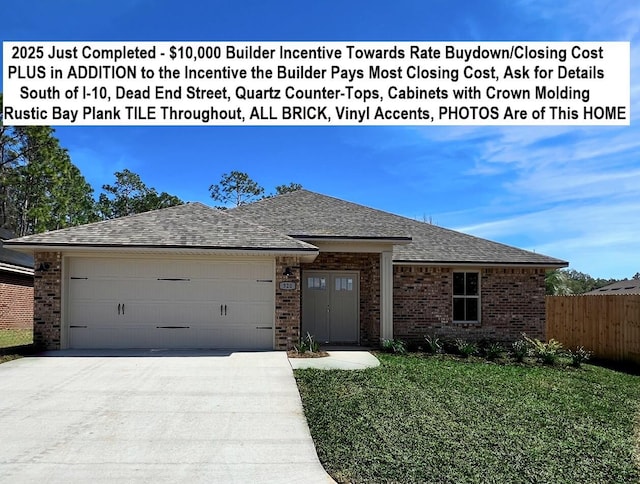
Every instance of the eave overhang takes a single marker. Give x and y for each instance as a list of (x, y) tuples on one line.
[(307, 254)]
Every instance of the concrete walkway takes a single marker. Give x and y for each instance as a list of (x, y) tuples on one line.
[(161, 417), (339, 359)]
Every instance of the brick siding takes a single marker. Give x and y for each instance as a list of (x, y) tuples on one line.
[(16, 301), (369, 267), (512, 302), (47, 299), (287, 304)]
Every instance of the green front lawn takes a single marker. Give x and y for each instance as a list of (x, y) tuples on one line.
[(441, 420), (15, 337)]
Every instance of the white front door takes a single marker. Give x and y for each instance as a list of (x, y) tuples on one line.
[(330, 306), (170, 303)]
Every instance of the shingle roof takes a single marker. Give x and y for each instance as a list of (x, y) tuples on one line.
[(307, 215), (275, 223), (629, 286), (192, 225)]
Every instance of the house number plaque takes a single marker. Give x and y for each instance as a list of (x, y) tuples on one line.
[(287, 286)]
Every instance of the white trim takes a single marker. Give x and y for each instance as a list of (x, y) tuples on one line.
[(274, 266), (305, 255), (352, 246), (16, 269), (64, 298), (133, 255), (386, 295)]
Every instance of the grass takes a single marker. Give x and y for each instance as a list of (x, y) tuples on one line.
[(5, 358), (15, 337), (439, 419)]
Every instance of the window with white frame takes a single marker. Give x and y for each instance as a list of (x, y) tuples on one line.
[(466, 297)]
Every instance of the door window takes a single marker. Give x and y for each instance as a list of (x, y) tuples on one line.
[(344, 284), (319, 283)]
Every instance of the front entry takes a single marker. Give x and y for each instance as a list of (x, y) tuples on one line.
[(330, 306)]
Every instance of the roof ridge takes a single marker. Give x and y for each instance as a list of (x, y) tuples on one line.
[(336, 199)]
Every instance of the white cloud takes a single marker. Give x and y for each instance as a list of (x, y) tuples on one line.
[(600, 238)]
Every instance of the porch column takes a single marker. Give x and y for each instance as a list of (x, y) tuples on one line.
[(386, 295)]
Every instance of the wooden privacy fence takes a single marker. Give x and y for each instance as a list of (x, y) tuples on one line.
[(609, 326)]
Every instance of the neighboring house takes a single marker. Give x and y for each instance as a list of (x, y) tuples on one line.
[(261, 275), (16, 287), (629, 286)]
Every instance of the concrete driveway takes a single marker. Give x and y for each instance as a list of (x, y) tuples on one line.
[(154, 416)]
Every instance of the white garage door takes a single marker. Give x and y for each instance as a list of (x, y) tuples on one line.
[(166, 303)]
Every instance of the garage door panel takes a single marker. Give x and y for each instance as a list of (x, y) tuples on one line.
[(89, 290), (169, 303), (172, 337), (169, 312), (112, 337), (94, 312), (250, 312)]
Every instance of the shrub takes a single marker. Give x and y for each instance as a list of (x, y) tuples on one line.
[(546, 353), (433, 344), (579, 356), (520, 349), (394, 346), (465, 348), (493, 350), (307, 345)]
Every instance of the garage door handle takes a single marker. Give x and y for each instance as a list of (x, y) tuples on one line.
[(264, 327), (76, 326), (123, 309), (225, 309), (220, 309), (119, 308)]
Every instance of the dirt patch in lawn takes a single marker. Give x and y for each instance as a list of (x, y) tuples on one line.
[(315, 354)]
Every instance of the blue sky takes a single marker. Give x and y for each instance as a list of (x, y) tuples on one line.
[(569, 192)]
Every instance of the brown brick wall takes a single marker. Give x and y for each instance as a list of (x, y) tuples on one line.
[(288, 304), (47, 299), (512, 302), (369, 267), (16, 301)]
